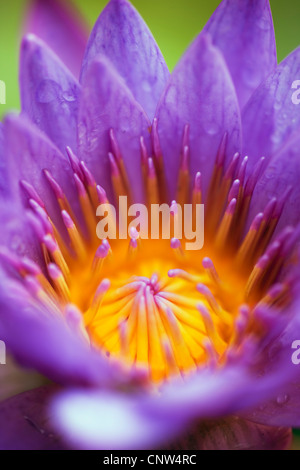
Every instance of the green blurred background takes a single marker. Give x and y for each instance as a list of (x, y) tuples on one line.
[(174, 24)]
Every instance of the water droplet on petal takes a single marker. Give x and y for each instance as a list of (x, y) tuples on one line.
[(211, 128), (263, 23), (69, 96), (282, 399), (47, 91)]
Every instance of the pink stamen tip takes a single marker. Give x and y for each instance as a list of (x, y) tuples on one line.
[(234, 191), (155, 139), (103, 287), (257, 221), (173, 272), (207, 263), (134, 234), (105, 243), (198, 181), (114, 145), (31, 192), (242, 170), (87, 174), (8, 257), (54, 271), (203, 310), (79, 185), (30, 266), (32, 285), (74, 162), (151, 168), (269, 210), (54, 185), (186, 136), (101, 195), (133, 243), (50, 243), (144, 151), (253, 179), (202, 289), (231, 207), (101, 252), (67, 219), (273, 249), (263, 262), (286, 234), (175, 243), (113, 165), (275, 291), (73, 316), (185, 159), (221, 151), (36, 226), (154, 279), (42, 215), (230, 173)]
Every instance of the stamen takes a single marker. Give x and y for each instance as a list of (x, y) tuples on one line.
[(197, 190), (85, 204), (31, 193), (75, 163), (208, 265), (119, 159), (91, 184), (152, 183), (59, 281), (177, 247), (226, 224), (117, 181), (74, 235)]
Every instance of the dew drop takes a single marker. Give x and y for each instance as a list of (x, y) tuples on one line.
[(282, 399), (211, 128), (47, 91), (263, 23), (69, 96)]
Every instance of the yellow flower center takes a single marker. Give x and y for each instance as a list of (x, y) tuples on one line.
[(151, 303)]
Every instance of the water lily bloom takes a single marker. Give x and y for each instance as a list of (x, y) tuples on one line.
[(147, 340)]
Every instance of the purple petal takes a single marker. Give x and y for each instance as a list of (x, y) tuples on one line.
[(282, 410), (58, 24), (122, 36), (40, 338), (27, 425), (270, 117), (108, 104), (283, 406), (28, 152), (282, 174), (243, 31), (201, 94), (100, 420), (233, 434), (3, 172), (18, 235), (49, 92)]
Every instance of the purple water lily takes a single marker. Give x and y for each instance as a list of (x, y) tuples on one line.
[(143, 337)]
